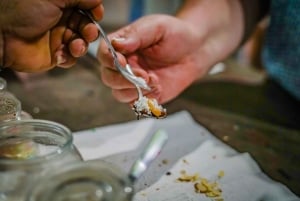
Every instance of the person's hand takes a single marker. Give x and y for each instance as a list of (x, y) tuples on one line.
[(167, 52), (170, 53), (37, 35)]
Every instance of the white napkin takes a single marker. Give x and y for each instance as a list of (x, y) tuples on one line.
[(190, 147), (242, 180), (104, 141)]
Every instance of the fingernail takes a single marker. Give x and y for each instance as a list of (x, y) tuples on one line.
[(60, 59), (118, 39), (82, 50)]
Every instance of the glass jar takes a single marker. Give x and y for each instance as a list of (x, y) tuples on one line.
[(94, 180), (28, 149), (10, 106)]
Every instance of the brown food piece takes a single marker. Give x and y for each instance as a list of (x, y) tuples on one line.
[(17, 149), (188, 178), (202, 185), (156, 111)]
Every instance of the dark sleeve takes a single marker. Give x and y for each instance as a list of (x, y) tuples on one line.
[(254, 11)]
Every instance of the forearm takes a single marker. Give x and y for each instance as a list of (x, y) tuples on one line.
[(244, 14), (219, 25)]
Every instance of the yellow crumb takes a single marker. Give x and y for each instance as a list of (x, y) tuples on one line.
[(153, 109), (188, 178), (221, 174)]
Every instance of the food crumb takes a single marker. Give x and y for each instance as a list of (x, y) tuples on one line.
[(185, 161), (188, 178), (165, 161), (226, 138), (202, 185), (221, 174)]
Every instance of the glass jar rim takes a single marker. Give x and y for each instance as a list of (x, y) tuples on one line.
[(63, 130)]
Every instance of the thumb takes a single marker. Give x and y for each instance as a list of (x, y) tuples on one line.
[(136, 36)]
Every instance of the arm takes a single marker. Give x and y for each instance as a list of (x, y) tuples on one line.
[(172, 52), (242, 14), (228, 23)]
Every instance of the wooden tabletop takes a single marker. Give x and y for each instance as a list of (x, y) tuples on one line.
[(76, 98)]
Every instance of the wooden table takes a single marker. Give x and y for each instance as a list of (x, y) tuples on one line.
[(77, 98)]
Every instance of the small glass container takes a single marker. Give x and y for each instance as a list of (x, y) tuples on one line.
[(94, 180), (10, 106), (28, 149)]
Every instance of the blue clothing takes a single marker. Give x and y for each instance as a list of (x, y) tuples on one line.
[(136, 9), (139, 8), (281, 53)]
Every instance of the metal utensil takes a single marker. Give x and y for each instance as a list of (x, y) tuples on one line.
[(150, 152), (126, 72)]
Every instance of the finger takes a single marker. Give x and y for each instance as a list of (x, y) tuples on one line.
[(77, 22), (114, 79), (71, 61), (94, 6), (74, 20), (125, 95), (56, 45), (97, 12), (138, 35), (88, 30), (63, 58), (81, 25), (105, 57), (129, 95), (77, 47), (60, 54)]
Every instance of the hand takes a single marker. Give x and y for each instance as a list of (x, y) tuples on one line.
[(167, 52), (37, 35), (172, 52)]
